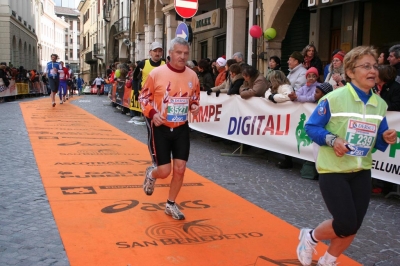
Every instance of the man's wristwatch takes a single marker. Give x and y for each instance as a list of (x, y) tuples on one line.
[(330, 139)]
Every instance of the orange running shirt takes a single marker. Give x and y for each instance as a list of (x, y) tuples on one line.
[(170, 92)]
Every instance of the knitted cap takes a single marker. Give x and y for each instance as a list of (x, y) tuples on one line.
[(298, 56), (325, 87), (221, 62), (312, 70), (339, 55)]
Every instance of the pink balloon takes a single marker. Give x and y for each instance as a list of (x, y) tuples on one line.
[(255, 31)]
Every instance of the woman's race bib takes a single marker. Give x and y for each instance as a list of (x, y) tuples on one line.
[(362, 136)]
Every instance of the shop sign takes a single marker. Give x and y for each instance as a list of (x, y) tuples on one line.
[(317, 2), (206, 21)]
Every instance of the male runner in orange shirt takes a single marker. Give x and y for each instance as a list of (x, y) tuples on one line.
[(170, 92)]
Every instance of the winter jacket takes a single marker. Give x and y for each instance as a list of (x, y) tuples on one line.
[(390, 92), (253, 87), (236, 82), (221, 77), (306, 93), (297, 76), (282, 95)]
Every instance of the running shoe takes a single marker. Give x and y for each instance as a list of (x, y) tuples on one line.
[(149, 182), (173, 210), (305, 249), (322, 263), (61, 102), (138, 118), (54, 104)]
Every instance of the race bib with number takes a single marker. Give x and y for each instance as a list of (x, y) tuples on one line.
[(361, 135), (178, 109)]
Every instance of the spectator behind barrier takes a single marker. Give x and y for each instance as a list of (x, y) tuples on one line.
[(311, 58), (394, 59), (236, 79), (220, 67), (387, 87), (336, 76), (297, 74), (280, 87), (321, 90), (306, 92), (224, 87), (255, 84), (274, 63), (205, 76)]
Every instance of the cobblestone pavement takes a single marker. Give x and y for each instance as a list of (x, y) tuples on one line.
[(29, 236)]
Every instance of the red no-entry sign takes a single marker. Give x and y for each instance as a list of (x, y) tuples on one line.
[(186, 8)]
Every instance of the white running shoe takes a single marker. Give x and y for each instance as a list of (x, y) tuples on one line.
[(149, 182), (138, 118), (322, 263), (305, 249), (61, 102), (173, 210)]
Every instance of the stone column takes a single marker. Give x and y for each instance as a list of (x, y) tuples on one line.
[(149, 36), (171, 25), (272, 48), (140, 51), (158, 29), (235, 26)]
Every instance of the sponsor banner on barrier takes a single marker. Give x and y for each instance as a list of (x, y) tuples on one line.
[(22, 88), (11, 90), (280, 128), (119, 94)]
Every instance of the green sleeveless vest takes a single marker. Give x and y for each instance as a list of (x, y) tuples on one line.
[(355, 122)]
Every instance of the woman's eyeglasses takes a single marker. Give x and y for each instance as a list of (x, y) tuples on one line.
[(368, 66)]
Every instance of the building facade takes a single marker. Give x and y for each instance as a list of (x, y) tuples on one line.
[(72, 36), (222, 28), (19, 45), (51, 33), (92, 36)]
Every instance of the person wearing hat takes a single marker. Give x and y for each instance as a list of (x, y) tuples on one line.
[(336, 76), (297, 78), (321, 90), (143, 69), (220, 65), (297, 74), (326, 68), (306, 92)]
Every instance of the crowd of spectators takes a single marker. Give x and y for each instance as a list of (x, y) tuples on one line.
[(308, 79)]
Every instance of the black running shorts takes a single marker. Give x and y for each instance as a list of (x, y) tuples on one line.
[(167, 141)]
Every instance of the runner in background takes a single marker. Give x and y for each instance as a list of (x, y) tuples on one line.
[(171, 91), (64, 75), (143, 69), (79, 84), (98, 81), (70, 84), (347, 124), (52, 73)]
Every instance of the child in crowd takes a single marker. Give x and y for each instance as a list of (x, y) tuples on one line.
[(280, 87), (321, 90), (306, 92)]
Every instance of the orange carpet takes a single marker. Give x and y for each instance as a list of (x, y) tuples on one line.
[(93, 175)]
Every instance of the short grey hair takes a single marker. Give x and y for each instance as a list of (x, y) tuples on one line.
[(238, 55), (180, 41), (395, 49)]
